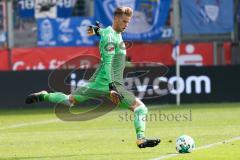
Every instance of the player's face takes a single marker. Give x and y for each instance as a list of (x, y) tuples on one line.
[(122, 22)]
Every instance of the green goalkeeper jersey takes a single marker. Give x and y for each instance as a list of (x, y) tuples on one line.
[(113, 53)]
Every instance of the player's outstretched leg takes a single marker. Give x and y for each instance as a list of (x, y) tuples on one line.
[(140, 112), (56, 97)]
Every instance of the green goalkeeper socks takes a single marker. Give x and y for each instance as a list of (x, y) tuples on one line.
[(56, 97), (140, 120), (59, 97)]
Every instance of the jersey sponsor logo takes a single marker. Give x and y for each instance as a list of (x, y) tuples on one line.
[(110, 47), (124, 45)]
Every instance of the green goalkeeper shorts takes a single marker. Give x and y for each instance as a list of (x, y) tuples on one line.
[(97, 88)]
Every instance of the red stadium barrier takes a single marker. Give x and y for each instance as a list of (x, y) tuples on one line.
[(191, 54), (199, 54), (227, 50), (4, 60), (160, 53), (47, 58)]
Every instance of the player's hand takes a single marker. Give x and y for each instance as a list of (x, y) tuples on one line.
[(114, 96)]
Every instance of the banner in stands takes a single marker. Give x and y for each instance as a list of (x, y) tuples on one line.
[(64, 32), (148, 21), (197, 84), (32, 8), (207, 16)]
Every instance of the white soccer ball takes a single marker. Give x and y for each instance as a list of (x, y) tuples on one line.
[(185, 144)]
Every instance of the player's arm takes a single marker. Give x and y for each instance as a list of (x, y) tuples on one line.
[(109, 52), (108, 56)]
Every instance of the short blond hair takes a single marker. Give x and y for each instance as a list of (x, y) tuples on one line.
[(123, 11)]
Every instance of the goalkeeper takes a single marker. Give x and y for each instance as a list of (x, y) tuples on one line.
[(108, 78)]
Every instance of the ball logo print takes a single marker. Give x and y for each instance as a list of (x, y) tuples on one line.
[(185, 144)]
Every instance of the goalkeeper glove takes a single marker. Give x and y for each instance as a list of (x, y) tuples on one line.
[(112, 87), (94, 29)]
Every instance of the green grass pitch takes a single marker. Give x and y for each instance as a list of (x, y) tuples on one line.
[(37, 134)]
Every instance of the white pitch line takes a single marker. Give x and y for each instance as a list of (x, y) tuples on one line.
[(29, 124), (199, 148)]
